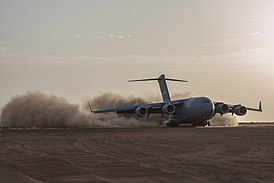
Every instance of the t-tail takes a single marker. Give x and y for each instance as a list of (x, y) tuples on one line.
[(163, 85)]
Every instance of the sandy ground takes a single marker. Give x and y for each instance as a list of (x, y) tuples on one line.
[(239, 154)]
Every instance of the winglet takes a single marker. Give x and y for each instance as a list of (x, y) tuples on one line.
[(90, 108), (260, 106), (257, 109)]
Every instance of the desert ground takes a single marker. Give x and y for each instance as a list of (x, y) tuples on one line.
[(227, 154)]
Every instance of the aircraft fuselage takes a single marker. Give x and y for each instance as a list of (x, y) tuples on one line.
[(196, 111)]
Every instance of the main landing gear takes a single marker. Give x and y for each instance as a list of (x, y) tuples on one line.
[(207, 123), (173, 124)]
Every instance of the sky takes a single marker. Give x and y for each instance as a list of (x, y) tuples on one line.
[(82, 48)]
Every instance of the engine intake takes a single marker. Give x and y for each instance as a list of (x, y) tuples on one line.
[(141, 111), (222, 109), (240, 110), (168, 109)]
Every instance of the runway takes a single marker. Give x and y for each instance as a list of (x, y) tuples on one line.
[(227, 154)]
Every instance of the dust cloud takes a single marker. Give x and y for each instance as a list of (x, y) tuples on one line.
[(35, 109), (39, 110), (111, 100), (225, 120)]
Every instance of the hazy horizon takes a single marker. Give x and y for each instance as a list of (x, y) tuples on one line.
[(79, 49)]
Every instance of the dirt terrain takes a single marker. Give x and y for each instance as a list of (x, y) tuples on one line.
[(228, 154)]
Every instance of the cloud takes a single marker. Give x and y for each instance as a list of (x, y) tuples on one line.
[(80, 36), (4, 50), (86, 37), (214, 61), (6, 53), (256, 34), (75, 36), (228, 38), (220, 43), (59, 36), (115, 36), (91, 60)]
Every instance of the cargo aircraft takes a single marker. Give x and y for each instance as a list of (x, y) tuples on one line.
[(196, 111)]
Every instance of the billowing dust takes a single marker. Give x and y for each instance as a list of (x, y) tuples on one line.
[(39, 110), (225, 120)]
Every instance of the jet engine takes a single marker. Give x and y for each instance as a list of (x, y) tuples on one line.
[(240, 110), (222, 109), (168, 109), (141, 111)]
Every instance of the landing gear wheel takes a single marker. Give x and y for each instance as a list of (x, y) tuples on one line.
[(208, 123), (205, 123)]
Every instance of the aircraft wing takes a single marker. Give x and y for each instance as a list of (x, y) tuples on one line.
[(130, 109), (259, 109), (238, 109), (254, 109)]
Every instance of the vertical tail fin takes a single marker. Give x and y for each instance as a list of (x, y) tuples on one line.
[(163, 85), (164, 88)]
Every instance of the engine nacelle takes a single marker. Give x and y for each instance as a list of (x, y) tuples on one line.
[(141, 111), (222, 109), (168, 109), (240, 110)]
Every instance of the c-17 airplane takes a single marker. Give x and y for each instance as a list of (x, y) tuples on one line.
[(196, 110)]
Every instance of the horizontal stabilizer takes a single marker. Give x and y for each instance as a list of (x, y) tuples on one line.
[(179, 80), (136, 80), (163, 85), (157, 79)]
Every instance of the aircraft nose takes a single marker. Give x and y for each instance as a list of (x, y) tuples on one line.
[(210, 109)]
